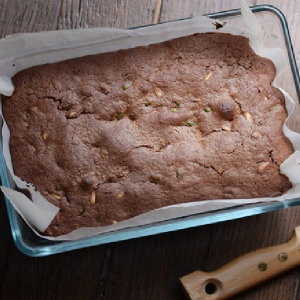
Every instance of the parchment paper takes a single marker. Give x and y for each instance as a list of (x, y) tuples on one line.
[(25, 50)]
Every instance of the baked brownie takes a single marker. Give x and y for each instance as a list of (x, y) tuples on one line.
[(111, 136)]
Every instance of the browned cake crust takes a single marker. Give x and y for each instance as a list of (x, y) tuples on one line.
[(111, 136)]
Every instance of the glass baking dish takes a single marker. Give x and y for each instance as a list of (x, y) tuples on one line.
[(276, 35)]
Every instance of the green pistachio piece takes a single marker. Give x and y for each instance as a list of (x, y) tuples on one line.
[(190, 123), (207, 109), (173, 109), (30, 84), (58, 188), (178, 174), (154, 180), (120, 116), (126, 85)]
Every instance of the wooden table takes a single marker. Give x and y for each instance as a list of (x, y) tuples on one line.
[(145, 268)]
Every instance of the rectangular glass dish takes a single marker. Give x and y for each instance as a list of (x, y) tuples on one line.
[(275, 35)]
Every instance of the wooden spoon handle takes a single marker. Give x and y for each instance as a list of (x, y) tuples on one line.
[(244, 272)]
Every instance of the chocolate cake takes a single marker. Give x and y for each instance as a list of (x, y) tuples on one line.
[(111, 136)]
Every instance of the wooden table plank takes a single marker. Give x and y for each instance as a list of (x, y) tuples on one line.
[(36, 16), (156, 269)]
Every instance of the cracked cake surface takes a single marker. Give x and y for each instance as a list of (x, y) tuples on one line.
[(111, 136)]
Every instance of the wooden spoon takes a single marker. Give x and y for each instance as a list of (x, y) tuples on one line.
[(244, 272)]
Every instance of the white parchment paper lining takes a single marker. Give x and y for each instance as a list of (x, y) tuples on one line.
[(25, 50)]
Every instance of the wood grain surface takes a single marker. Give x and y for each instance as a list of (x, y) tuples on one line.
[(144, 268)]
